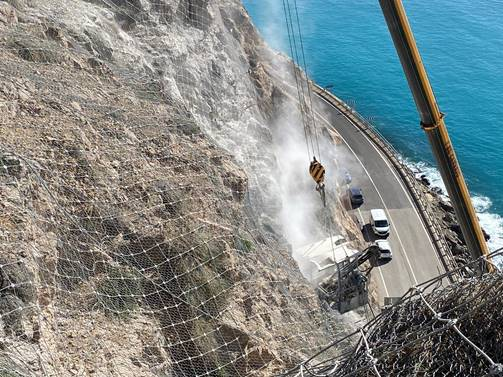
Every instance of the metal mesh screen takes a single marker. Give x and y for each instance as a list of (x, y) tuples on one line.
[(132, 242), (435, 329)]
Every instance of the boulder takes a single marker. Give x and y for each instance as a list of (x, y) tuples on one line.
[(449, 218), (446, 206), (487, 237), (12, 166), (459, 250), (425, 180), (17, 280), (456, 228)]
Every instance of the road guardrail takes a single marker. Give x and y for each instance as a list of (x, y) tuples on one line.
[(405, 173)]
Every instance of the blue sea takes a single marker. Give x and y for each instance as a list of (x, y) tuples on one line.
[(347, 45)]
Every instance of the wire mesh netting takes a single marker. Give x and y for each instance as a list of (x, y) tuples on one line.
[(132, 242), (436, 329), (137, 231)]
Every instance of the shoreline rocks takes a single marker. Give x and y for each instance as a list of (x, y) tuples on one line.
[(441, 207)]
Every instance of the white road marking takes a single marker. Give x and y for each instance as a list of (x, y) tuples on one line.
[(361, 216), (394, 174), (382, 200), (382, 278), (378, 193), (366, 172)]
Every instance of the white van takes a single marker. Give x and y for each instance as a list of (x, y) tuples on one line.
[(379, 222)]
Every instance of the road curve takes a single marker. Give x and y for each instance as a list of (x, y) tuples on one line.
[(415, 258)]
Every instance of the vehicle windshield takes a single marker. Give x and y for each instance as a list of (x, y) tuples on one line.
[(357, 196), (381, 223)]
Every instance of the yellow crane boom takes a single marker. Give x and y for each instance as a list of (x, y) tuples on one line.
[(432, 122)]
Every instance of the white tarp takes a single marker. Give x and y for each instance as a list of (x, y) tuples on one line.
[(322, 257)]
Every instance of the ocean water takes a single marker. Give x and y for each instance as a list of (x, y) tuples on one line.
[(347, 45)]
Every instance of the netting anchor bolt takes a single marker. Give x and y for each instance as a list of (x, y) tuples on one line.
[(496, 370), (452, 322)]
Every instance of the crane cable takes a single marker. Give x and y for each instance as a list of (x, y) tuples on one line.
[(307, 110), (298, 83), (309, 91)]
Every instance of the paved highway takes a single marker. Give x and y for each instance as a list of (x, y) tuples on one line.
[(415, 259)]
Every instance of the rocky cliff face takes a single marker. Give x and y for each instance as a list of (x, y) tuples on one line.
[(138, 209)]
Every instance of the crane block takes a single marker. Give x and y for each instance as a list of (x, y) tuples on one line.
[(317, 171)]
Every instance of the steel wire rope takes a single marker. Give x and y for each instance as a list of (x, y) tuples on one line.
[(309, 91), (495, 367), (302, 95), (412, 342), (468, 301), (303, 104), (311, 127), (144, 248), (451, 322), (70, 217), (316, 374), (291, 44), (368, 353), (405, 345), (324, 363), (324, 349), (299, 80)]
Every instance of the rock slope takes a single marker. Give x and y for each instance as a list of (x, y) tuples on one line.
[(138, 230)]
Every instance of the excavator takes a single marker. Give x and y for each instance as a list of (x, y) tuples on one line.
[(346, 289)]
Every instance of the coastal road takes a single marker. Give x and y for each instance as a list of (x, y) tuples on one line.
[(415, 258)]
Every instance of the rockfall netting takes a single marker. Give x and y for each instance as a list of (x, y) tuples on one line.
[(131, 241), (437, 329), (137, 203)]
